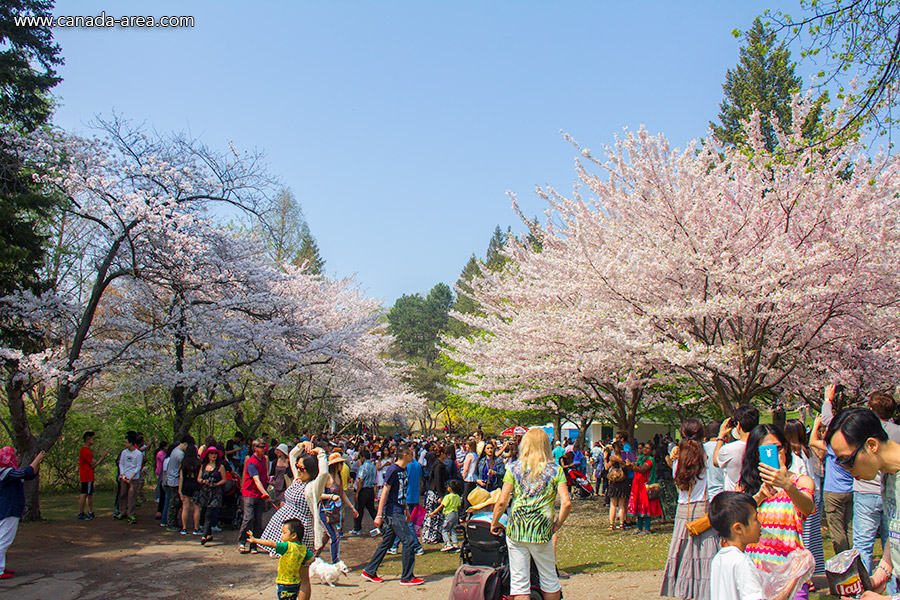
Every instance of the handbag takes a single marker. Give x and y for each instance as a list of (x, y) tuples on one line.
[(652, 491), (697, 526), (615, 474)]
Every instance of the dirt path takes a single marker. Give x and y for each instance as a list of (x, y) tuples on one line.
[(104, 559)]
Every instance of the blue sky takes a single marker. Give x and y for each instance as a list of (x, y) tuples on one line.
[(400, 126)]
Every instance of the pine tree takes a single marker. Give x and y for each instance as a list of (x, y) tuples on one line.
[(309, 253), (27, 75), (764, 80)]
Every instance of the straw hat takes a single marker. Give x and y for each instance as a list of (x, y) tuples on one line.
[(480, 497), (334, 458)]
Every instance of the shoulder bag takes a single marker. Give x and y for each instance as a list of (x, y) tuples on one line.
[(697, 526)]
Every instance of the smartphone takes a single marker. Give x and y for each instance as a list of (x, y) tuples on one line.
[(768, 455)]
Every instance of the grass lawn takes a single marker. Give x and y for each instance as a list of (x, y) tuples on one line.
[(64, 507)]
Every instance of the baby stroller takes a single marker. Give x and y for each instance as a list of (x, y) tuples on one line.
[(231, 513), (579, 483), (482, 548)]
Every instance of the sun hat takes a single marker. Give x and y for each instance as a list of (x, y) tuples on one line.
[(283, 448), (206, 452), (334, 458), (480, 497)]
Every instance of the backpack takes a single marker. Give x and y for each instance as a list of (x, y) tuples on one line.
[(476, 583)]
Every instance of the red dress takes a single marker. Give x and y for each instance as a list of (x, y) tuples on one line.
[(639, 505)]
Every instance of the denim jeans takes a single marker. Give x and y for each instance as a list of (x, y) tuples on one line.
[(416, 545), (867, 518), (164, 495), (333, 535), (395, 526)]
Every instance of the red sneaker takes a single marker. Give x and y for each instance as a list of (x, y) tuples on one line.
[(413, 581), (10, 571), (372, 578), (6, 575)]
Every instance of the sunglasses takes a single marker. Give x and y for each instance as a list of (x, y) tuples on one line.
[(848, 462)]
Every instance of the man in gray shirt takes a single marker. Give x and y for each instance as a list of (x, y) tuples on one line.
[(170, 517), (867, 502)]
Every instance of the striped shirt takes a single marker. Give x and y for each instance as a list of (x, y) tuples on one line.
[(781, 527)]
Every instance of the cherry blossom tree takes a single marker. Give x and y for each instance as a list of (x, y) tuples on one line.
[(122, 192), (751, 272)]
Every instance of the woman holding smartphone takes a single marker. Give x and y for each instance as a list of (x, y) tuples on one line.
[(784, 498)]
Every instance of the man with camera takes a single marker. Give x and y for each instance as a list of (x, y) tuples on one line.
[(732, 440)]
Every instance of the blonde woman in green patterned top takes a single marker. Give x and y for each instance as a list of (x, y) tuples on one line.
[(532, 484)]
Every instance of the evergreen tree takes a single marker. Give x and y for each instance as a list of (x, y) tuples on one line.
[(764, 80), (493, 260), (27, 61), (309, 253)]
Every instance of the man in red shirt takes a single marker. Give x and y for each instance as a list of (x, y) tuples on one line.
[(86, 466), (254, 495)]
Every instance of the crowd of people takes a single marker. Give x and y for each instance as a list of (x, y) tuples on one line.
[(741, 494), (762, 491)]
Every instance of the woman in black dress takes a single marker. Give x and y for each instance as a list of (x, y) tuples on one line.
[(188, 486), (209, 496)]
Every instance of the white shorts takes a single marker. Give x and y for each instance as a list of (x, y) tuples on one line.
[(520, 555)]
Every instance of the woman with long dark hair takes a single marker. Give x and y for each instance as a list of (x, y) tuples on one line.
[(784, 499), (687, 570), (490, 469), (188, 486), (795, 433)]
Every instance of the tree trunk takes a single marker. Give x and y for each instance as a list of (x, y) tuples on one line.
[(779, 418), (557, 427), (583, 426), (32, 498)]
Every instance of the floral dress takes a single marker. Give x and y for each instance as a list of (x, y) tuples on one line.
[(295, 507), (208, 496)]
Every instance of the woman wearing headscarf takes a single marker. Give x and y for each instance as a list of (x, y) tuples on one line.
[(12, 499)]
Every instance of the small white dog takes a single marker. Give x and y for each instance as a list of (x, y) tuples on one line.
[(327, 573)]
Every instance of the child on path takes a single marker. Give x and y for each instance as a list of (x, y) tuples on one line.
[(292, 581), (450, 504), (86, 466), (733, 574), (129, 471)]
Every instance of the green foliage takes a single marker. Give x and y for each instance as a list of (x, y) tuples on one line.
[(763, 80), (417, 323), (856, 38), (27, 74), (27, 65)]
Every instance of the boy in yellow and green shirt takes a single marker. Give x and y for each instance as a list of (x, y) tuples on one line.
[(292, 581)]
